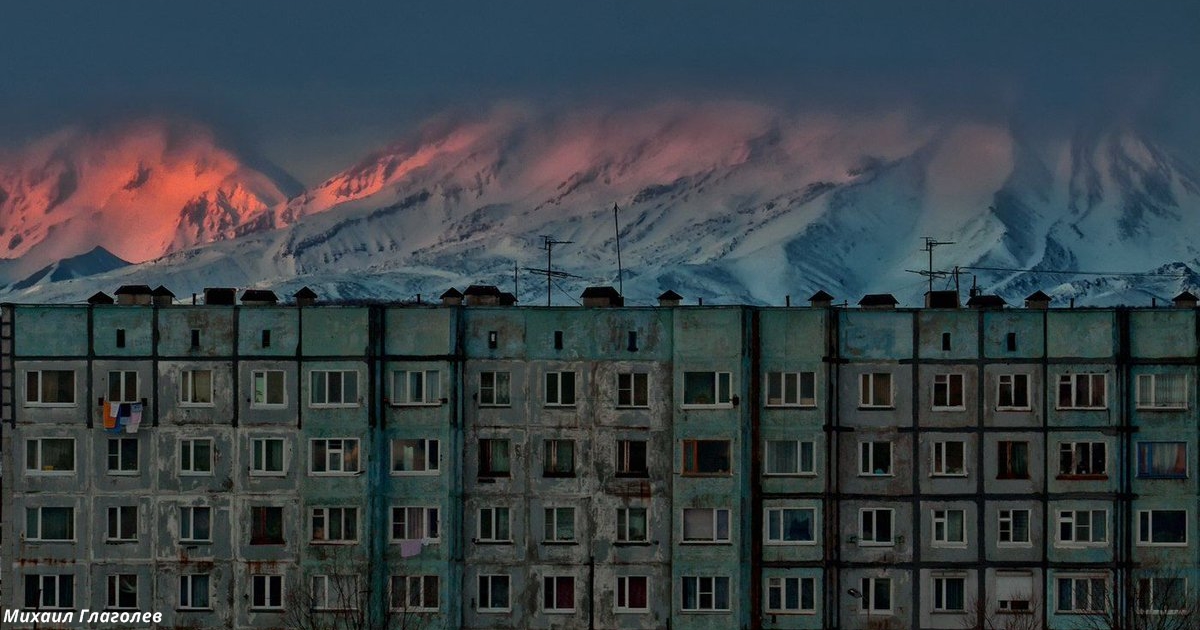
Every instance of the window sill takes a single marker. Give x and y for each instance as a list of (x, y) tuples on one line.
[(948, 545), (436, 403), (962, 475), (791, 612), (50, 473), (560, 543), (789, 543), (877, 475), (876, 545), (947, 409), (1082, 477), (1140, 408), (269, 406), (195, 610), (338, 406), (423, 541), (631, 611), (191, 405), (195, 543), (334, 474), (1081, 408), (275, 474), (876, 407), (790, 406), (1011, 409), (496, 406), (706, 543), (559, 406), (804, 475), (492, 542), (490, 611), (37, 405), (267, 609), (124, 473), (1154, 544), (632, 407), (416, 473), (184, 473), (687, 406), (633, 543), (1014, 545), (120, 541)]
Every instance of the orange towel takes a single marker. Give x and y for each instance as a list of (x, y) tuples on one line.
[(110, 420)]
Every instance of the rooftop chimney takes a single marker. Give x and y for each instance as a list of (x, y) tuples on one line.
[(482, 295), (134, 294), (162, 296), (601, 296), (878, 301), (305, 297), (259, 297), (821, 299), (670, 298), (452, 297), (1184, 300), (942, 299), (1037, 299)]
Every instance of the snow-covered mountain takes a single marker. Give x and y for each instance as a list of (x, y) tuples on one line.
[(729, 201)]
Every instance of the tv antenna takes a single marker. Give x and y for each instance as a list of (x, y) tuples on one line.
[(930, 244), (548, 245)]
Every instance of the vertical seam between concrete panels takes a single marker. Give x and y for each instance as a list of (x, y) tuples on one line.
[(1122, 507), (756, 496), (832, 506), (1047, 391), (980, 500), (234, 362), (915, 453), (154, 335)]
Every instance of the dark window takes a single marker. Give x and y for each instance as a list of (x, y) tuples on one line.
[(559, 458), (266, 339), (120, 337), (494, 458), (1012, 460), (945, 341), (631, 458), (632, 341), (493, 339), (558, 340), (1012, 342), (706, 457), (195, 338), (266, 525)]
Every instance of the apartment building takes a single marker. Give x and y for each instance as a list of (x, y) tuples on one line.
[(474, 464)]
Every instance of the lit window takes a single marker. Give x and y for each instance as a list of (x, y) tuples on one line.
[(493, 389), (266, 591), (791, 389), (122, 456), (1162, 460), (875, 390), (632, 525), (333, 388), (791, 525), (336, 456), (195, 456), (266, 525), (415, 456), (416, 523), (791, 595), (196, 387), (494, 525), (1162, 391), (631, 458), (122, 592), (706, 457), (1084, 527), (1082, 594), (705, 525), (875, 459), (558, 593), (194, 591), (51, 388), (1012, 392), (123, 387), (49, 456), (1081, 459), (949, 594), (1013, 527), (416, 387), (334, 525), (122, 524), (50, 523), (876, 595), (267, 456), (633, 593), (705, 593), (875, 527), (633, 389), (415, 593), (560, 389), (790, 457), (268, 388), (493, 593), (558, 458), (948, 392), (949, 459), (43, 592), (559, 524), (494, 458), (1012, 460), (195, 524), (949, 527), (707, 389), (1162, 527), (1081, 391)]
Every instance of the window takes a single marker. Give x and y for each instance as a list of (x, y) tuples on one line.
[(633, 389), (1162, 460), (195, 338), (265, 340), (1081, 459), (1081, 594), (123, 386), (1012, 392), (949, 528), (632, 525), (705, 593), (195, 524), (266, 591), (415, 593), (266, 525), (558, 340), (196, 387), (415, 456), (493, 389), (122, 456), (791, 389), (194, 591), (122, 592), (122, 523), (1014, 592), (1081, 391), (559, 524), (791, 525), (631, 458), (1084, 527), (1162, 391), (632, 344), (494, 525), (49, 591), (50, 456), (1013, 527), (633, 593), (494, 459), (269, 390), (705, 525), (790, 457), (333, 388), (949, 459), (493, 339), (195, 456), (1162, 527), (120, 341), (416, 387), (335, 592), (267, 456), (560, 389), (493, 593), (50, 523), (946, 341), (1012, 460), (875, 390), (791, 595), (875, 527), (558, 593), (707, 389), (706, 457), (876, 595), (1010, 342), (335, 456), (416, 523), (51, 388), (334, 525), (949, 594), (558, 458), (948, 392), (875, 458), (1162, 595)]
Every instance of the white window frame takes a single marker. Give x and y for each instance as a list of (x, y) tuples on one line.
[(939, 457), (942, 517), (867, 456), (556, 582), (781, 584), (800, 446), (187, 523), (1007, 605), (798, 382), (258, 457), (550, 522), (1075, 599), (340, 454), (705, 585), (494, 516), (491, 579), (1010, 381), (1006, 521), (623, 590), (866, 391), (947, 381), (770, 515), (328, 377), (1072, 517), (556, 394), (722, 389), (632, 387), (39, 534), (625, 530), (325, 588), (266, 376), (115, 589), (1146, 585), (266, 591), (188, 446), (941, 591), (1153, 404), (1081, 450), (418, 588), (430, 385), (431, 452), (38, 376), (327, 516), (499, 393), (867, 605), (117, 516), (185, 592), (1145, 528), (187, 389), (1073, 381), (120, 456), (122, 377), (36, 467), (871, 541), (428, 517), (716, 514)]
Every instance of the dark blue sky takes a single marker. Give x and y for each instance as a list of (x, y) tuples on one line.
[(313, 86)]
